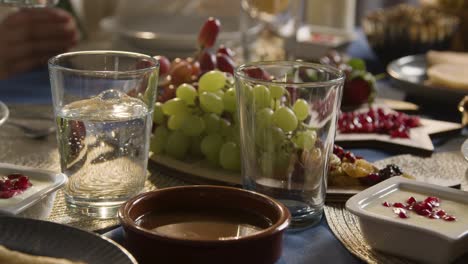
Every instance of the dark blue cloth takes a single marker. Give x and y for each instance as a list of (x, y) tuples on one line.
[(32, 88), (313, 245)]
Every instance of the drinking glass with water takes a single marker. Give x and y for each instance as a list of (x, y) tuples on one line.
[(103, 103)]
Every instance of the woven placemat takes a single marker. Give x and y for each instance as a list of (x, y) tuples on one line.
[(442, 168), (345, 226)]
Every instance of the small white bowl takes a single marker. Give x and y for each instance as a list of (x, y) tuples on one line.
[(37, 201), (422, 239)]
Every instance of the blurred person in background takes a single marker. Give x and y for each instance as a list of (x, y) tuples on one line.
[(29, 37)]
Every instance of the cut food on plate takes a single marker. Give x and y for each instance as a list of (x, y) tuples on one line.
[(15, 257), (449, 75), (446, 57)]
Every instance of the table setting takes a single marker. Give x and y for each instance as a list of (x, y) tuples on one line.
[(115, 156)]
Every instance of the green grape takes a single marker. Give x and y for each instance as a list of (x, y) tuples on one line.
[(247, 93), (219, 93), (264, 117), (159, 139), (235, 118), (285, 119), (174, 106), (229, 156), (229, 100), (195, 149), (282, 162), (177, 145), (301, 109), (187, 92), (193, 126), (210, 146), (277, 134), (211, 103), (211, 81), (276, 91), (176, 122), (226, 128), (305, 139), (212, 122), (261, 96), (264, 138), (158, 115)]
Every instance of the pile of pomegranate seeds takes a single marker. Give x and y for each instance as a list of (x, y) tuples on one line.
[(13, 184), (428, 208), (395, 124)]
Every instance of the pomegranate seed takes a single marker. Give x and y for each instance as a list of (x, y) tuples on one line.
[(209, 33), (225, 63), (449, 218), (411, 200), (440, 212), (350, 156), (376, 121), (423, 208), (434, 201), (7, 194), (400, 212), (433, 216), (13, 184)]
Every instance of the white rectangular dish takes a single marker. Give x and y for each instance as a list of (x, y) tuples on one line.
[(416, 237), (37, 201)]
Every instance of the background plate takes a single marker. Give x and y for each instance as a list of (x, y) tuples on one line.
[(61, 241), (409, 75)]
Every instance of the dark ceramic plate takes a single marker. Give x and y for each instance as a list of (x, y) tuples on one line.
[(409, 75), (61, 241)]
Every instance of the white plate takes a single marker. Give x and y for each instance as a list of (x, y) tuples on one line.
[(423, 242), (47, 183)]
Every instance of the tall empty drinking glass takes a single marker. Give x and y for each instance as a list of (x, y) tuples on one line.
[(288, 113), (103, 104)]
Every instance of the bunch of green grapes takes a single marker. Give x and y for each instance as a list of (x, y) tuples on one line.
[(283, 139), (200, 123)]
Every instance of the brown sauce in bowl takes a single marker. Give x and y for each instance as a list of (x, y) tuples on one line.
[(204, 224)]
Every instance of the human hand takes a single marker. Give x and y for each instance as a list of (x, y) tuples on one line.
[(29, 37)]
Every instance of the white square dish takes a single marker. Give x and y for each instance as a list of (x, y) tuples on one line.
[(37, 201), (416, 237)]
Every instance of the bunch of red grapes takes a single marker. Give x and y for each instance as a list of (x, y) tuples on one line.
[(189, 70)]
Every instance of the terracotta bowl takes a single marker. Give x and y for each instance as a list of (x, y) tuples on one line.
[(152, 247)]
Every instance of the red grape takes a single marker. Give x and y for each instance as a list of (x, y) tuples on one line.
[(225, 50), (207, 61), (209, 33), (257, 73), (181, 73), (225, 63), (164, 65)]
